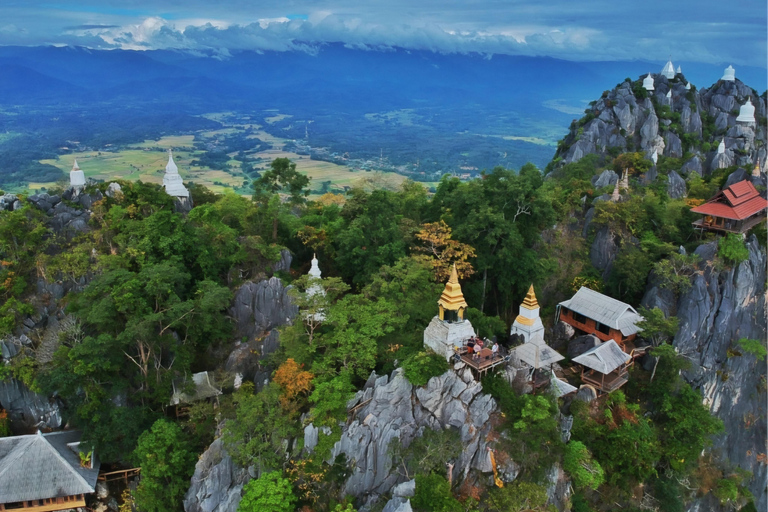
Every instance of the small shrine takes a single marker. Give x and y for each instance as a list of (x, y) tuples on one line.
[(648, 83), (449, 330), (721, 147), (679, 70), (668, 70), (729, 75), (528, 322), (746, 112), (315, 288), (605, 367), (736, 209), (688, 86), (669, 95), (174, 185), (655, 157), (77, 177)]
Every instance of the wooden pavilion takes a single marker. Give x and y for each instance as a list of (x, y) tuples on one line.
[(605, 367), (735, 209), (44, 472)]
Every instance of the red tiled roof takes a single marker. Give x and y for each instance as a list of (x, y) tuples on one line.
[(739, 201)]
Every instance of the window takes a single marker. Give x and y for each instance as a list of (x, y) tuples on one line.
[(603, 328), (579, 317)]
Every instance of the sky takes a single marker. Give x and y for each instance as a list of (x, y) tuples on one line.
[(705, 31)]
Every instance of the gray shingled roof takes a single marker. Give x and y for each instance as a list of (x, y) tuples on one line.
[(205, 387), (603, 358), (40, 466), (561, 387), (604, 309), (537, 354)]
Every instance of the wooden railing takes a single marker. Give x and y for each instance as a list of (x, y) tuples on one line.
[(121, 474)]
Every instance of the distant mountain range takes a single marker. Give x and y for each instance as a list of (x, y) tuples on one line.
[(474, 95)]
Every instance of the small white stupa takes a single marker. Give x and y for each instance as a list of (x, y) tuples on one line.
[(448, 329), (721, 147), (679, 70), (648, 83), (668, 70), (528, 323), (77, 177), (747, 112), (669, 94), (172, 181), (756, 170), (314, 274), (655, 157), (615, 196), (688, 86), (729, 75)]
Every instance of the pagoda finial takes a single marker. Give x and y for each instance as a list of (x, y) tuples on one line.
[(75, 167), (454, 279), (530, 301), (452, 299)]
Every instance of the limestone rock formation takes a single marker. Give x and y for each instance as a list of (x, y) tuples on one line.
[(628, 118), (216, 483), (724, 305), (397, 411), (28, 410), (676, 188)]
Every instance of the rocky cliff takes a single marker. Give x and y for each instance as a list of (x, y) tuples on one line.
[(693, 122), (723, 305)]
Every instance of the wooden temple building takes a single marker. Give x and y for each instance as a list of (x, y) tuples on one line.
[(44, 472), (605, 367), (735, 209), (590, 312)]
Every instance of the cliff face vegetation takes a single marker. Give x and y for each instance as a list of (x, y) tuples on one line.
[(281, 338)]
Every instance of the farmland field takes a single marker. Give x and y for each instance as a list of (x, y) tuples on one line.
[(146, 161)]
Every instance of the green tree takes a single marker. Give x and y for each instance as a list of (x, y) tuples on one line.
[(422, 366), (433, 494), (675, 272), (167, 463), (282, 176), (519, 497), (585, 472), (732, 249), (330, 399), (753, 347), (269, 493), (255, 436)]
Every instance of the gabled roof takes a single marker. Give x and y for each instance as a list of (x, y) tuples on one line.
[(604, 358), (737, 202), (537, 354), (604, 309), (561, 387), (40, 466), (204, 387)]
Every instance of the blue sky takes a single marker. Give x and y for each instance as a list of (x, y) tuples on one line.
[(700, 31)]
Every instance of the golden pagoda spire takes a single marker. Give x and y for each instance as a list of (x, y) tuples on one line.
[(452, 299), (530, 301)]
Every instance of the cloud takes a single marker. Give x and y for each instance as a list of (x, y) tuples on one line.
[(584, 30)]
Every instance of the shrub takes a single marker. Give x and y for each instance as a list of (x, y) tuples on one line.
[(754, 347), (585, 472), (270, 493), (422, 366), (732, 249), (433, 494)]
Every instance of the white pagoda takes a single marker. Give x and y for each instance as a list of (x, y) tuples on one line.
[(648, 83), (729, 75), (668, 70), (655, 157), (688, 86), (77, 177), (679, 70), (746, 112), (172, 181), (528, 323), (721, 147)]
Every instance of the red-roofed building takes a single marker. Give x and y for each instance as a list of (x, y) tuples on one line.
[(736, 209)]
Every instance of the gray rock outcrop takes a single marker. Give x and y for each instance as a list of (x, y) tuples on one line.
[(676, 186), (399, 412), (722, 306), (581, 344), (216, 483), (28, 410), (260, 307), (604, 250)]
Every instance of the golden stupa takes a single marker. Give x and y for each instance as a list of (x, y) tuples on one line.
[(530, 303), (452, 299)]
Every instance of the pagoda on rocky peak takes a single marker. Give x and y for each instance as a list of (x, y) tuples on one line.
[(729, 75), (528, 323), (648, 83), (746, 112), (668, 70), (721, 147), (688, 86), (174, 185), (76, 177), (449, 330), (679, 70)]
